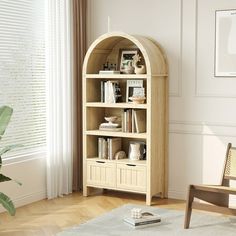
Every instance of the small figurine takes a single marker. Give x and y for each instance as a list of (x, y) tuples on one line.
[(138, 69), (136, 213)]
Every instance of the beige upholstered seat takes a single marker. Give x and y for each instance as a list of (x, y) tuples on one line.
[(216, 195)]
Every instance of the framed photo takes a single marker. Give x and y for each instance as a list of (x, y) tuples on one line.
[(125, 57), (225, 43), (133, 87)]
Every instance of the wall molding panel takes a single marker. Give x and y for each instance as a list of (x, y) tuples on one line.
[(202, 128), (178, 93), (197, 88)]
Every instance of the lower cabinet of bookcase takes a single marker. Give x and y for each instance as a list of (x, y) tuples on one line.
[(131, 177), (101, 173)]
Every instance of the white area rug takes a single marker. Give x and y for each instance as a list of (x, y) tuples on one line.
[(112, 224)]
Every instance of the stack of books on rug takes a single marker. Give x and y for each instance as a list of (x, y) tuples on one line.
[(145, 219)]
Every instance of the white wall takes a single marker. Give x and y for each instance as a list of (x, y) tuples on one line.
[(31, 172), (202, 108)]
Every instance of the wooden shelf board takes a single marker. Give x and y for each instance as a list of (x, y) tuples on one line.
[(116, 76), (116, 134), (116, 105), (121, 161)]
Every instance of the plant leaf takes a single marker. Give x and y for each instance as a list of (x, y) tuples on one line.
[(9, 148), (7, 204), (4, 178), (6, 149), (5, 116)]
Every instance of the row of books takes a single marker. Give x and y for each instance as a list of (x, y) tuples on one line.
[(110, 91), (108, 147), (134, 120)]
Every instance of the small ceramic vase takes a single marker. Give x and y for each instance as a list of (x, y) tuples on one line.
[(129, 69), (134, 152), (139, 69)]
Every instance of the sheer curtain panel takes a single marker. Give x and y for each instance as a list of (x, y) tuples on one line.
[(60, 110)]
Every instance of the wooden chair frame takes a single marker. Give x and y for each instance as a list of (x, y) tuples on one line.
[(216, 195)]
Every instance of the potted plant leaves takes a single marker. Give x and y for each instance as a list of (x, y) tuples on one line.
[(5, 116)]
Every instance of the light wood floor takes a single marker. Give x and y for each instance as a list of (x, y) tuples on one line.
[(47, 217)]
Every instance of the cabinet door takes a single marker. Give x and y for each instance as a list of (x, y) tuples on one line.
[(131, 177), (101, 173)]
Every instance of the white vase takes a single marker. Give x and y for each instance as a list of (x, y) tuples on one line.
[(134, 152)]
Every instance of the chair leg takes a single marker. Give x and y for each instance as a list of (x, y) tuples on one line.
[(188, 210)]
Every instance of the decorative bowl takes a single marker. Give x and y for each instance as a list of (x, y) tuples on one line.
[(138, 100), (111, 119)]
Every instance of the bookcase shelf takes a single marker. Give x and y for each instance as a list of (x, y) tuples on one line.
[(147, 176), (116, 76), (117, 134), (117, 105)]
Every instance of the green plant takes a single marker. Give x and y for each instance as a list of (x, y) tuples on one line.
[(5, 116)]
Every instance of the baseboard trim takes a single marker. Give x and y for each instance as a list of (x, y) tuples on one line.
[(27, 199), (175, 194)]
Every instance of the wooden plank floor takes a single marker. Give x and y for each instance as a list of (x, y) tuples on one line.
[(47, 217)]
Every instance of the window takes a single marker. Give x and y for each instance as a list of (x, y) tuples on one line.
[(22, 73)]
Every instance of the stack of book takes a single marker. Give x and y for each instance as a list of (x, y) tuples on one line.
[(146, 220), (134, 120), (110, 91), (110, 127), (108, 147)]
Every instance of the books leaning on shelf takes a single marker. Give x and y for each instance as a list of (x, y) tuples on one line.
[(108, 147), (146, 220), (134, 120), (110, 91)]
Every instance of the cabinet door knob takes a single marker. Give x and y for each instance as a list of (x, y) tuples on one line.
[(100, 161), (130, 165)]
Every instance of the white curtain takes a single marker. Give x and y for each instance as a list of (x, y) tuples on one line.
[(59, 77)]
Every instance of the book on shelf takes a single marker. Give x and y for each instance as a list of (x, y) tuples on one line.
[(140, 120), (110, 91), (102, 148), (146, 220), (108, 147), (115, 129), (134, 120), (114, 145), (127, 120), (131, 85), (110, 72)]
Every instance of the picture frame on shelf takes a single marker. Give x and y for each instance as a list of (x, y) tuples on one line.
[(131, 85), (225, 47), (126, 59)]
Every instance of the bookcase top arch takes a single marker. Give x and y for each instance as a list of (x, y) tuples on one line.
[(101, 48)]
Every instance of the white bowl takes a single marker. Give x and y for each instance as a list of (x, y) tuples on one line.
[(111, 119), (138, 100)]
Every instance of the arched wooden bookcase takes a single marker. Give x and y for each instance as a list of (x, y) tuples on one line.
[(145, 176)]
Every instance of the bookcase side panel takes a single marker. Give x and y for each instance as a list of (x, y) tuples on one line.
[(158, 135)]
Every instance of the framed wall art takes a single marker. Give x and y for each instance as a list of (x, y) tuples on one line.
[(225, 43)]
